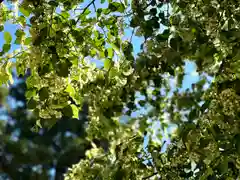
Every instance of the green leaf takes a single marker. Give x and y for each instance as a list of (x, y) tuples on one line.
[(7, 37), (139, 32), (99, 11), (68, 111), (113, 72), (70, 89), (128, 72), (103, 1), (6, 47), (142, 103), (87, 12), (122, 81), (237, 143), (30, 93), (32, 104), (35, 129), (65, 14), (161, 15), (75, 111), (223, 167), (53, 3), (38, 123), (43, 70), (153, 11), (192, 115), (22, 20), (25, 12), (1, 28), (110, 52), (164, 36), (8, 70), (116, 49), (19, 33), (106, 53), (116, 6), (134, 22), (106, 11), (180, 79), (18, 41), (62, 69), (43, 93), (107, 64), (204, 142), (28, 41)]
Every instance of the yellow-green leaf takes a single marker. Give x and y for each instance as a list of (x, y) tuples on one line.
[(110, 52), (7, 37), (38, 123), (128, 72), (24, 11), (107, 64), (113, 72), (70, 89), (27, 41), (75, 111)]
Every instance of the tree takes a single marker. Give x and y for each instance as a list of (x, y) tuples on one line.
[(29, 153), (205, 144)]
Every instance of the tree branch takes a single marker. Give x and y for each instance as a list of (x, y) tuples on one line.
[(85, 9)]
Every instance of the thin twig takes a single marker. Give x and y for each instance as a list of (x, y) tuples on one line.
[(78, 9), (14, 56), (79, 16), (94, 7), (125, 15), (132, 35), (85, 10)]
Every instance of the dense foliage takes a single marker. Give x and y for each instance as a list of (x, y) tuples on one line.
[(60, 39), (30, 154)]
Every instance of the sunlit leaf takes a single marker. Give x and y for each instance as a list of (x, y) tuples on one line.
[(28, 40), (110, 52), (128, 72), (107, 64), (75, 111), (25, 11), (38, 123), (7, 37)]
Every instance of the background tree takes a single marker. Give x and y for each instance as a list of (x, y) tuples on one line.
[(30, 153)]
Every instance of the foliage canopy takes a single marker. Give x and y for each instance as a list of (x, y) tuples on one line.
[(58, 41)]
